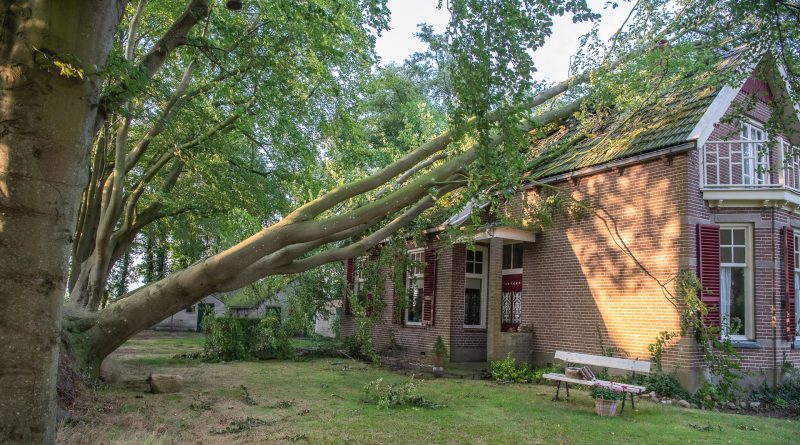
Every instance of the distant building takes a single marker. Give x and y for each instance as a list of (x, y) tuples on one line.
[(191, 318), (234, 303)]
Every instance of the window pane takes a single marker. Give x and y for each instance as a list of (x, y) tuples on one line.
[(479, 268), (737, 312), (415, 301), (470, 267), (478, 256), (725, 237), (506, 257), (738, 237), (472, 301), (725, 254), (517, 263), (470, 255), (738, 255)]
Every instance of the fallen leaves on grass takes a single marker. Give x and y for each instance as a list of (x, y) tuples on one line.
[(242, 425)]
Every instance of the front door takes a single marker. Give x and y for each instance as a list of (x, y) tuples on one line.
[(511, 307), (475, 283), (511, 298)]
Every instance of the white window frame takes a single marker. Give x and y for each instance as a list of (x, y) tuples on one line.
[(797, 284), (749, 310), (517, 270), (413, 275), (751, 173), (484, 279)]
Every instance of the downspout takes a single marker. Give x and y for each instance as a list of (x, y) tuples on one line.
[(774, 310)]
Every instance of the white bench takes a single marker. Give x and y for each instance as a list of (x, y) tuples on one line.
[(604, 362)]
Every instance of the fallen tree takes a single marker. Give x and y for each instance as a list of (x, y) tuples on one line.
[(54, 113)]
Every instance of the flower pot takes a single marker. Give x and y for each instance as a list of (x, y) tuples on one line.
[(438, 371), (573, 373), (605, 407)]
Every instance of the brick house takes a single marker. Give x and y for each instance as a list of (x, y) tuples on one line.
[(688, 191)]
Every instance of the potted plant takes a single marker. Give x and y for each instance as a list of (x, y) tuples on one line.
[(439, 357), (606, 400)]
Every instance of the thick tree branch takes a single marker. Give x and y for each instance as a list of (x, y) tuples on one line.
[(175, 36)]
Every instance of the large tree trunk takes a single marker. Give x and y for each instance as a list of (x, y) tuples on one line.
[(45, 134)]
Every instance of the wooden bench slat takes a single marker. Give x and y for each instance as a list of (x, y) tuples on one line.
[(636, 389), (604, 362)]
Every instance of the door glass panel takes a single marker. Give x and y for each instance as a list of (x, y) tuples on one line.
[(472, 301), (517, 259)]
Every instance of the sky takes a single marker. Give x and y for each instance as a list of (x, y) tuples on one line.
[(552, 60)]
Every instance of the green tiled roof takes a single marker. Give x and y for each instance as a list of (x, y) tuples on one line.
[(622, 136), (632, 135)]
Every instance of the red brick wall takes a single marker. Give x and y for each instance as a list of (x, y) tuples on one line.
[(767, 239), (417, 341), (577, 280)]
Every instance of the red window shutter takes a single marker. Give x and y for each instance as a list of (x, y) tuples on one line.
[(348, 285), (708, 270), (788, 237), (429, 287)]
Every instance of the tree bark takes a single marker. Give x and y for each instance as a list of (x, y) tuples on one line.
[(46, 129)]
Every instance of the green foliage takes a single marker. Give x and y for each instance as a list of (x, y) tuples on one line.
[(440, 351), (784, 395), (396, 395), (601, 392), (722, 360), (707, 395), (241, 425), (665, 385), (508, 371), (657, 348), (360, 347), (234, 338), (246, 397), (393, 347)]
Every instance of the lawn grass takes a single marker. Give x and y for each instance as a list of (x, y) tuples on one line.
[(323, 401)]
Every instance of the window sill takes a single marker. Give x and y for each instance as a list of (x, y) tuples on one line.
[(745, 344), (474, 328)]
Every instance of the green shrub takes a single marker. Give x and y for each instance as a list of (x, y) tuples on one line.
[(508, 371), (395, 395), (785, 395), (360, 347), (601, 392), (665, 385), (439, 351), (233, 338), (707, 395)]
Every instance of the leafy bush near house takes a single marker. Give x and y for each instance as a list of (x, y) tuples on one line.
[(707, 395), (360, 347), (785, 395), (233, 338), (508, 371), (665, 385), (395, 395)]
